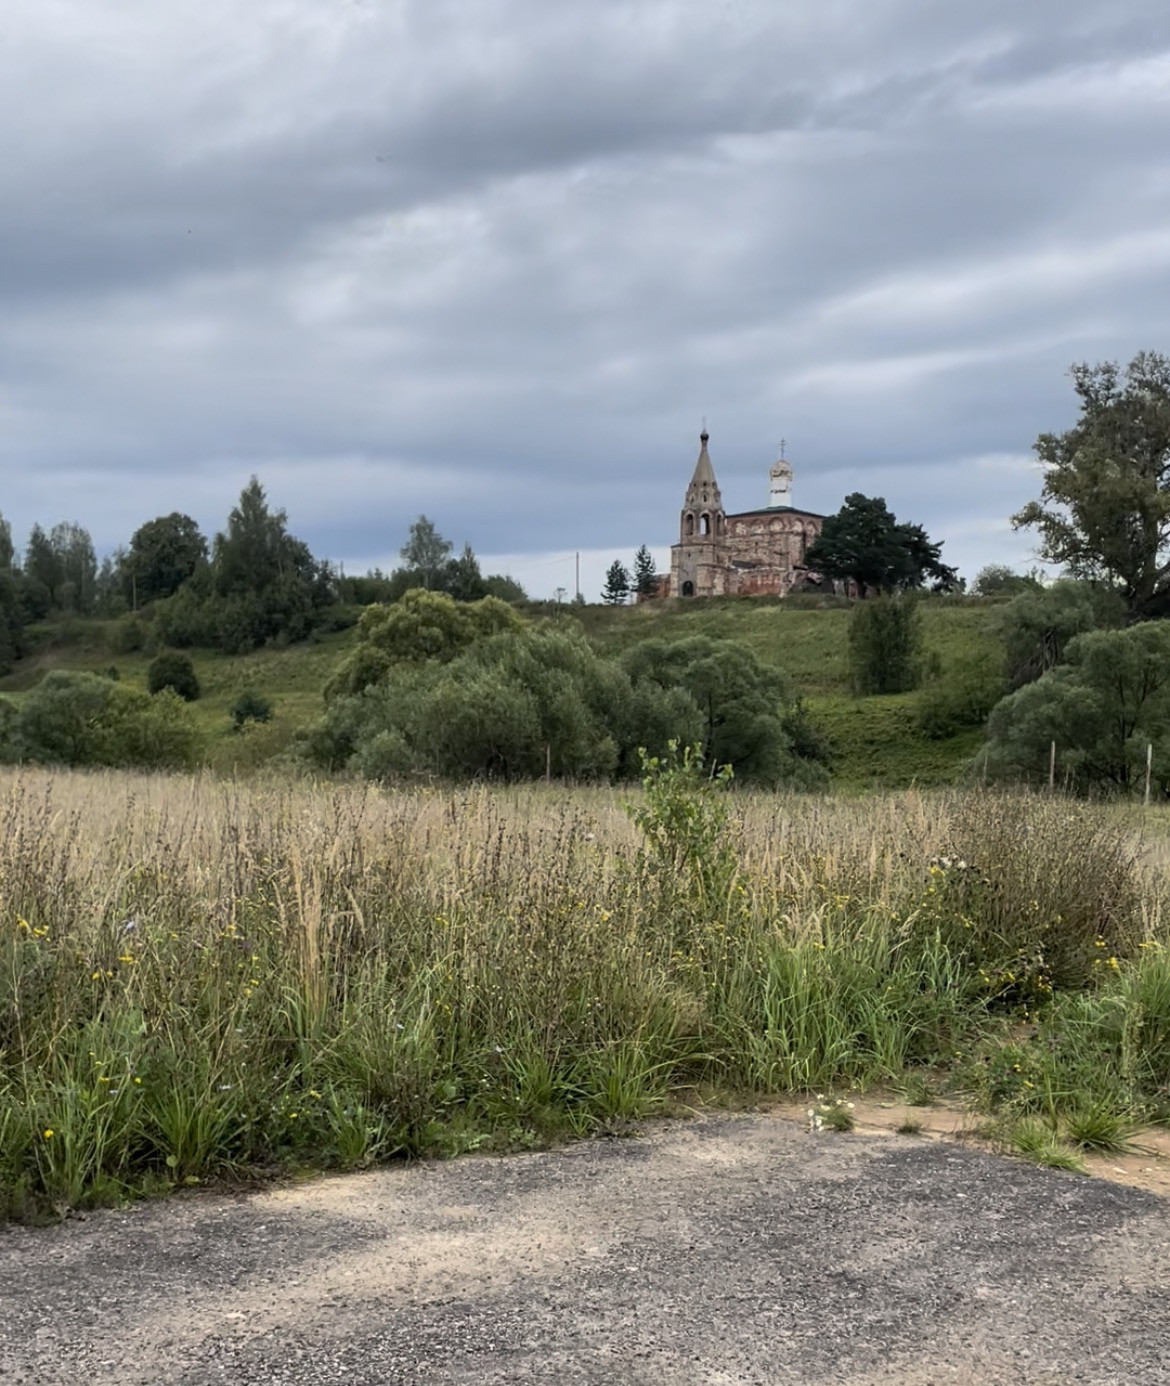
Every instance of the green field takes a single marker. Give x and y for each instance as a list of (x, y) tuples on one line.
[(875, 741)]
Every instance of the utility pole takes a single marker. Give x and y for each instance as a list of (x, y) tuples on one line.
[(578, 596)]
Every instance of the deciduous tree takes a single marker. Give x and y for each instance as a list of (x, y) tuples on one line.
[(1102, 708), (1104, 507), (425, 551), (164, 553)]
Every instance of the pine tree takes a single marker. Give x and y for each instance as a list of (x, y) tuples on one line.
[(645, 576), (617, 584)]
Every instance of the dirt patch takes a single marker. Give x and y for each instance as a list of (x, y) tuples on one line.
[(1145, 1164)]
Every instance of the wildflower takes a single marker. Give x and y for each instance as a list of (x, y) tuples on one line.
[(24, 926), (48, 1133), (126, 958)]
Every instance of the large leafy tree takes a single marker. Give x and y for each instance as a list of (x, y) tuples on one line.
[(164, 553), (864, 543), (425, 551), (1104, 508)]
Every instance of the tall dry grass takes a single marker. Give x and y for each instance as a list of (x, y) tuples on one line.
[(200, 976)]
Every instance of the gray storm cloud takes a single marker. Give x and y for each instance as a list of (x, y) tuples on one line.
[(494, 261)]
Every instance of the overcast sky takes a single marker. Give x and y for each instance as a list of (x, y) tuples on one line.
[(496, 260)]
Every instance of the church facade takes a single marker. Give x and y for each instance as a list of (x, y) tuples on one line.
[(754, 552)]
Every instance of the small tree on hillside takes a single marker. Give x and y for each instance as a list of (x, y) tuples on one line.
[(617, 584), (645, 576), (885, 645), (170, 669)]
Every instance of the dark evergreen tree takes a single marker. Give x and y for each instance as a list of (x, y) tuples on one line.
[(617, 584), (645, 574), (865, 544)]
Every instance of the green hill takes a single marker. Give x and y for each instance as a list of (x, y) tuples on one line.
[(875, 740)]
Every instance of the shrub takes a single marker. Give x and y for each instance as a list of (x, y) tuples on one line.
[(129, 636), (885, 645), (960, 696), (85, 719), (173, 670), (1038, 625), (251, 706), (1103, 710)]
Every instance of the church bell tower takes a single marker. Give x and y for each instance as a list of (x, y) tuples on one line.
[(702, 513), (696, 568)]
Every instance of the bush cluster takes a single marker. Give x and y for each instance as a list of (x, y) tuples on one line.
[(463, 691)]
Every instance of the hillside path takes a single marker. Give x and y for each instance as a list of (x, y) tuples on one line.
[(714, 1252)]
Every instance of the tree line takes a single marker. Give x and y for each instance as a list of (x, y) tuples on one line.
[(254, 582)]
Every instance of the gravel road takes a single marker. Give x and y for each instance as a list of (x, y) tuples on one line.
[(729, 1249)]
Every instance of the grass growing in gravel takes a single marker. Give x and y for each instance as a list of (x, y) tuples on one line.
[(201, 978)]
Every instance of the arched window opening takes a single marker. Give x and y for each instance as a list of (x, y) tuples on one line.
[(689, 525), (705, 525), (688, 589)]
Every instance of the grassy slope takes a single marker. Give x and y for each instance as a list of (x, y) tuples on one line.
[(874, 739), (292, 679)]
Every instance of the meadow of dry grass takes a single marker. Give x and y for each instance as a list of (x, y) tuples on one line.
[(201, 977)]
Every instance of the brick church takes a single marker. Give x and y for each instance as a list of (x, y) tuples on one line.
[(756, 552)]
